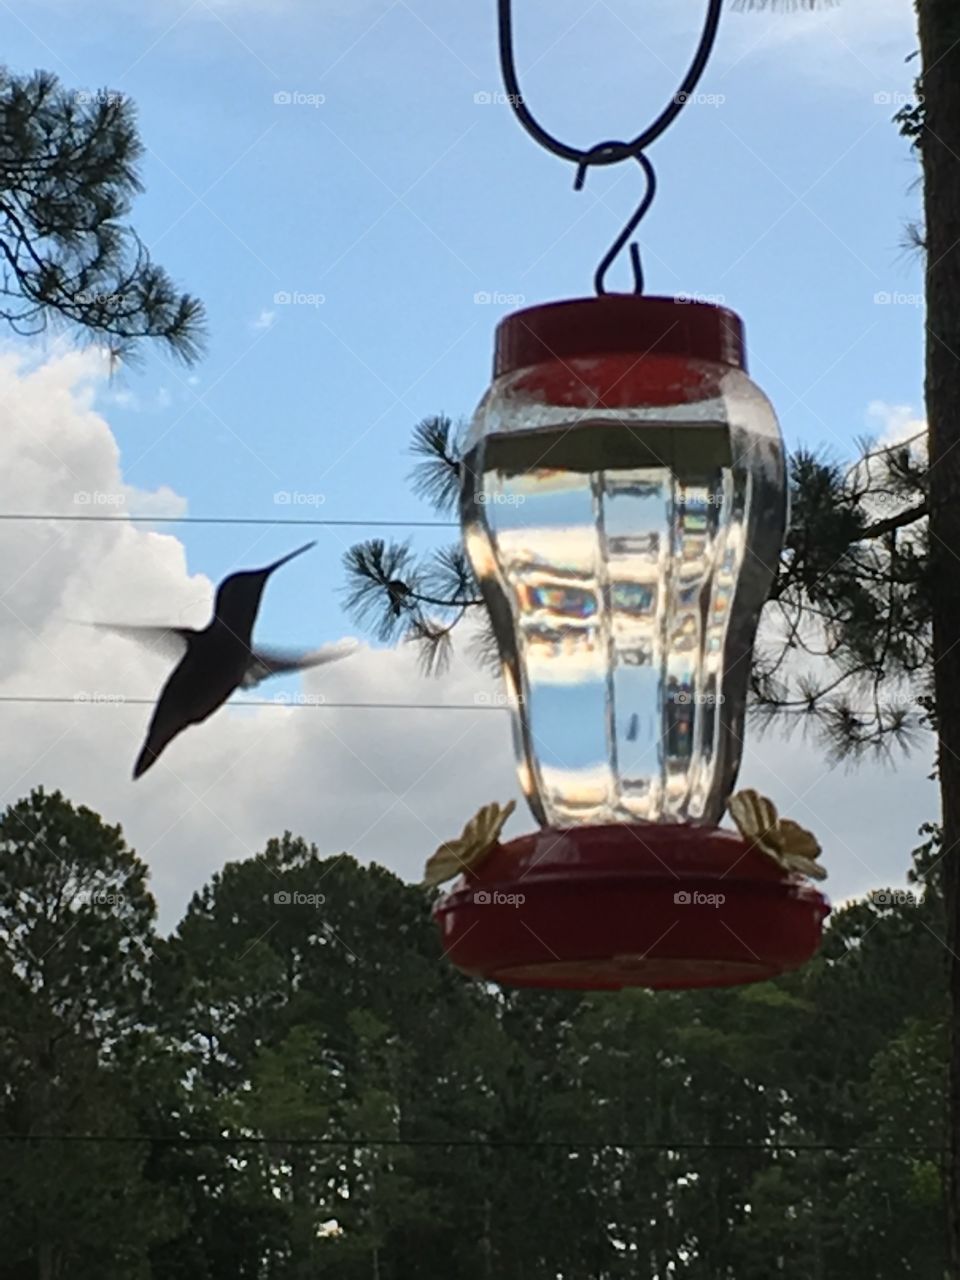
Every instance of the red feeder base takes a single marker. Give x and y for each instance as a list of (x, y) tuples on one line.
[(645, 905)]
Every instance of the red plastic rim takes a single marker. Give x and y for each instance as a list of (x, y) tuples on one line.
[(651, 905), (619, 323)]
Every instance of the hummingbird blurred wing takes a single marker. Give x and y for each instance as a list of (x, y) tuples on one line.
[(276, 662), (169, 642)]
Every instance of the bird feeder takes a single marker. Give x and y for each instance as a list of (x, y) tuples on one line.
[(623, 503)]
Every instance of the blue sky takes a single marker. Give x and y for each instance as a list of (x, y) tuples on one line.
[(399, 197)]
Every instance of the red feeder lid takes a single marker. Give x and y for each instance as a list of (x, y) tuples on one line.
[(615, 323), (644, 905)]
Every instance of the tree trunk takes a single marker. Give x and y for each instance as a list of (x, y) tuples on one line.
[(939, 24)]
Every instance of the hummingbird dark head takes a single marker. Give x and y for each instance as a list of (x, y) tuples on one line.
[(238, 597)]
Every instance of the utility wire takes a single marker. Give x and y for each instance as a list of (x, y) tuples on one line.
[(301, 700), (316, 701), (257, 520), (490, 1144)]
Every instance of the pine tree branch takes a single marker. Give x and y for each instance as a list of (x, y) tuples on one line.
[(452, 603), (68, 171), (436, 476), (892, 523)]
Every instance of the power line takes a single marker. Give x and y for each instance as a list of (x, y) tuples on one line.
[(317, 701), (298, 700), (255, 520), (489, 1144)]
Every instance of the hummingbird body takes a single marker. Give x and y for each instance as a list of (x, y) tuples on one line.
[(218, 660), (208, 673)]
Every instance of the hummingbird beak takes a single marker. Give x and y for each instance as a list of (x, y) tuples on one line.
[(283, 559)]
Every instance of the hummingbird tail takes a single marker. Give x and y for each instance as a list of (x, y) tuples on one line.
[(144, 760)]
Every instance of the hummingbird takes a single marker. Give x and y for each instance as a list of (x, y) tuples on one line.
[(218, 660)]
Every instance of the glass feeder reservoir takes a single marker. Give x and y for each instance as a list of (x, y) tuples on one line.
[(624, 509), (623, 501)]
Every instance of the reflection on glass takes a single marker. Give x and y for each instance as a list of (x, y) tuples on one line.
[(611, 588)]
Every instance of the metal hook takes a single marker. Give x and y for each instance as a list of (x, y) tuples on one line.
[(604, 149), (608, 152)]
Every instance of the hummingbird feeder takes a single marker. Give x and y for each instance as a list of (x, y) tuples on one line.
[(624, 503)]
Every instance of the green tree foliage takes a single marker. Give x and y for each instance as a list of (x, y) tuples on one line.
[(76, 924), (69, 168), (315, 1092)]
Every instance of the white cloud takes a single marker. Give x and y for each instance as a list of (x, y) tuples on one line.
[(855, 44), (265, 320), (895, 422), (162, 502), (384, 785), (855, 22)]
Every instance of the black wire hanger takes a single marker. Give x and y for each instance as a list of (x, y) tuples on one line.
[(612, 152)]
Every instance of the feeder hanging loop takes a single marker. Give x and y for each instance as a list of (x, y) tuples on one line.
[(608, 152)]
